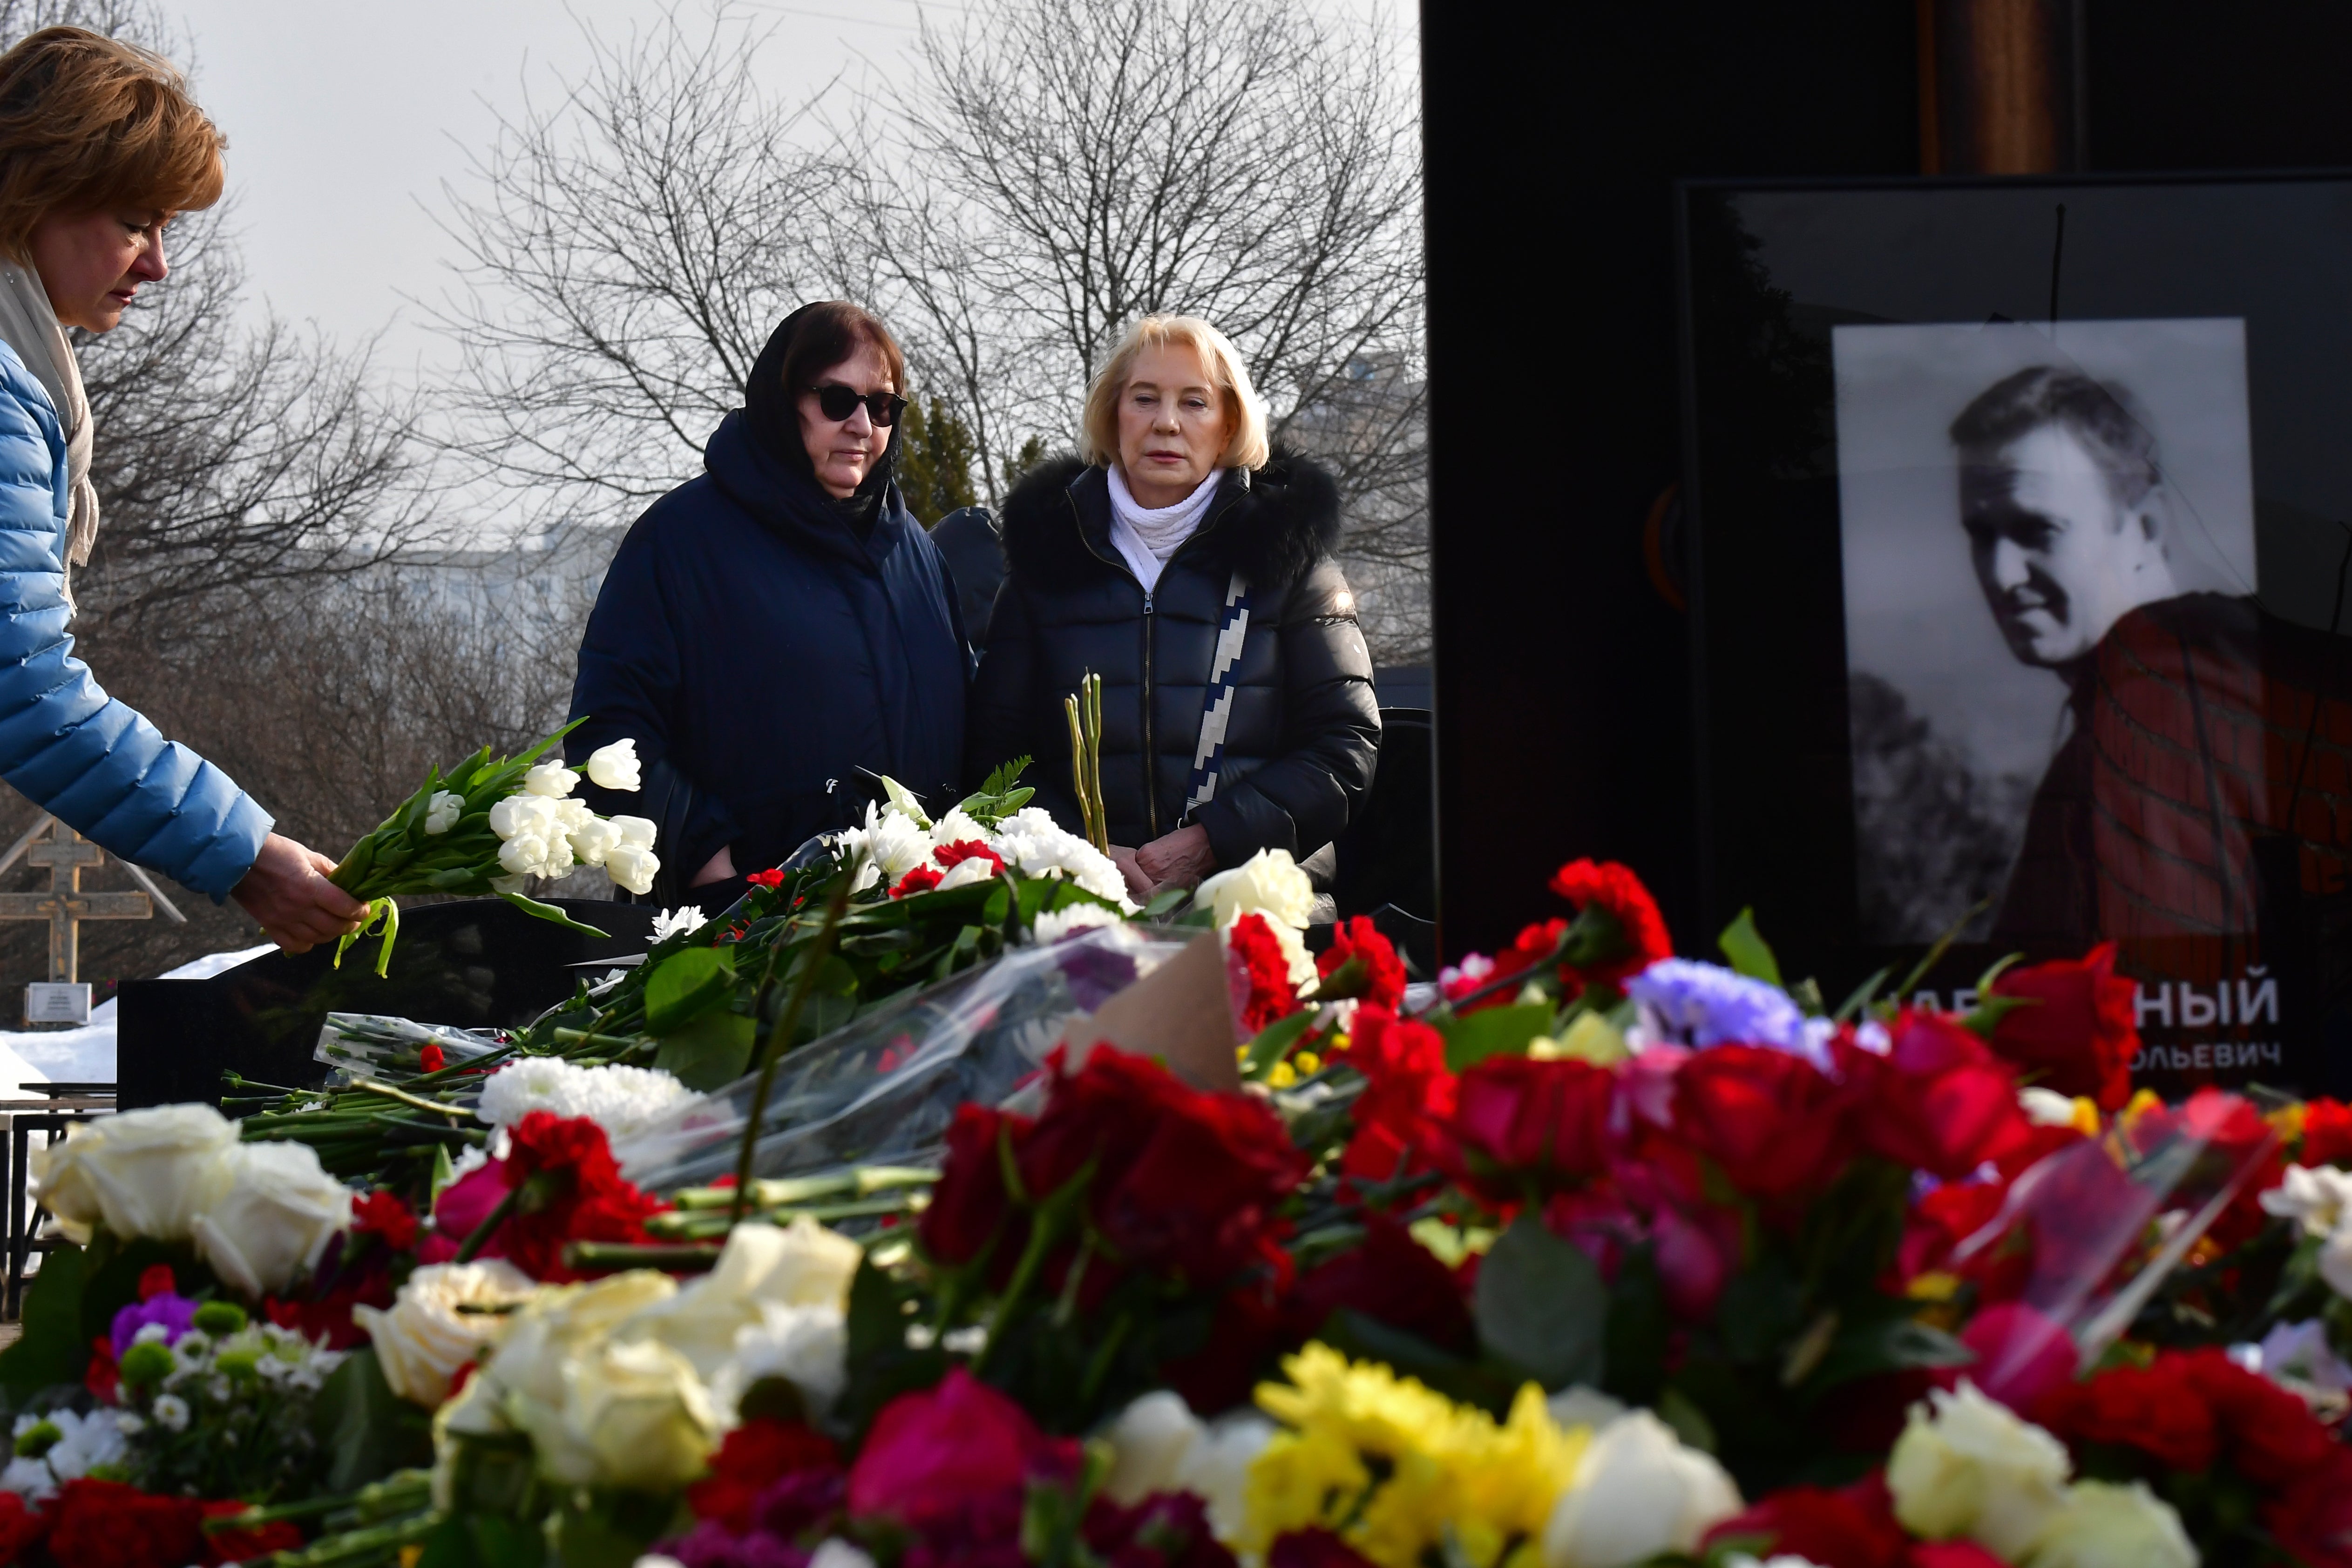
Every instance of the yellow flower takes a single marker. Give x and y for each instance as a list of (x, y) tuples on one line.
[(1281, 1076), (1309, 1062), (1399, 1469)]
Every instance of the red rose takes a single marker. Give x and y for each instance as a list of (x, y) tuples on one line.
[(1375, 955), (918, 879), (1940, 1220), (1770, 1121), (773, 877), (1639, 938), (1184, 1182), (106, 1524), (971, 1206), (1829, 1529), (21, 1526), (751, 1458), (1247, 1331), (432, 1058), (1938, 1101), (2023, 1357), (2273, 1439), (1260, 973), (1518, 1120), (2327, 1133), (382, 1213), (1390, 1278), (1406, 1086), (2078, 1031), (931, 1455), (2156, 1409)]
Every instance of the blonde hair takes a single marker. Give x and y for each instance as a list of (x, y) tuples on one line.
[(1098, 430), (87, 122)]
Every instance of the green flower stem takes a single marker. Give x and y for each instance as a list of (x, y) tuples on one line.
[(611, 1256), (781, 1192), (370, 1086), (706, 1223), (483, 1232), (1048, 1224), (771, 1050)]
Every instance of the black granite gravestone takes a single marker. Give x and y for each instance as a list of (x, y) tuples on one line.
[(474, 964)]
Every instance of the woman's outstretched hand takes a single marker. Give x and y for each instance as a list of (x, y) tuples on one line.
[(287, 892)]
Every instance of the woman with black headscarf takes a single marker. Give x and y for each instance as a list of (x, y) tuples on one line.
[(778, 622)]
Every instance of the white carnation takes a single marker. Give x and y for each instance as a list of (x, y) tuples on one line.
[(897, 842), (618, 1099), (683, 921), (957, 828), (1033, 844), (551, 779), (1056, 924)]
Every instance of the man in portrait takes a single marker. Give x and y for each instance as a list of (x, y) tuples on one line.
[(2188, 715)]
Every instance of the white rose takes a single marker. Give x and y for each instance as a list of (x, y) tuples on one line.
[(536, 1364), (801, 1265), (424, 1337), (1967, 1465), (2105, 1525), (630, 866), (615, 766), (1148, 1443), (592, 840), (1269, 883), (140, 1172), (477, 1412), (1582, 1404), (1638, 1491), (636, 1414), (551, 779), (267, 1214), (2316, 1198), (807, 1346), (441, 814), (522, 855)]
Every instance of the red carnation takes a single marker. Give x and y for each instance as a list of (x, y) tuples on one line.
[(2312, 1518), (1521, 1125), (1255, 958), (21, 1525), (382, 1213), (2327, 1133), (1848, 1528), (2157, 1409), (773, 877), (1382, 984), (2078, 1031), (918, 879), (751, 1458), (571, 1190), (1639, 940), (1528, 951), (432, 1057), (2275, 1440), (1406, 1086), (1938, 1101), (1769, 1120), (950, 856), (107, 1524)]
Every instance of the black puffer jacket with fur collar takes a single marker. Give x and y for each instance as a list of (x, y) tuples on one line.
[(1305, 729)]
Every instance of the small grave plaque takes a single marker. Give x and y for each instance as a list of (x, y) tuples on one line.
[(56, 1001)]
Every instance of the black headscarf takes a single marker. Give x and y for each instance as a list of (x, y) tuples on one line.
[(773, 411)]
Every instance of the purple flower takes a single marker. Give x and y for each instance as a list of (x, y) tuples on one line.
[(176, 1313), (1691, 1003)]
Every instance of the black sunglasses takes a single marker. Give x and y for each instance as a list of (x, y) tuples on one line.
[(839, 403)]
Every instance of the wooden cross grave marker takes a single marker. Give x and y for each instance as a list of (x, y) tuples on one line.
[(65, 905)]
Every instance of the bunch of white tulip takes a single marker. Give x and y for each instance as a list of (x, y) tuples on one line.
[(543, 831)]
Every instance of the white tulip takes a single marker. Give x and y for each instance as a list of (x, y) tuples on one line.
[(557, 860), (632, 868), (441, 814), (520, 815), (1968, 1465), (2105, 1525), (522, 855), (424, 1336), (592, 840), (1638, 1492), (636, 832), (615, 766), (1269, 883), (551, 779), (268, 1212), (143, 1172)]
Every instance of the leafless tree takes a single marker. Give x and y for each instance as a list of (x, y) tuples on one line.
[(624, 253)]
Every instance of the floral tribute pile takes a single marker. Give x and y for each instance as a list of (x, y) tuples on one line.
[(1602, 1257)]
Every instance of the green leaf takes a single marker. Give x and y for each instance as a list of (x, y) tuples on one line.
[(1494, 1031), (366, 1430), (1749, 954), (1892, 1342), (549, 913), (710, 1053), (52, 1349), (1541, 1307), (1991, 1010), (687, 985), (1274, 1042), (1861, 996), (1166, 902), (613, 1527)]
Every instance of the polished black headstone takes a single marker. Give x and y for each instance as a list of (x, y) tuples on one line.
[(473, 963)]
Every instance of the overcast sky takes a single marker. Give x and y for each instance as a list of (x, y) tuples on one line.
[(344, 119)]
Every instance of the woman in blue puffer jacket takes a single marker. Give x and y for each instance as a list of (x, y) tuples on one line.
[(100, 147)]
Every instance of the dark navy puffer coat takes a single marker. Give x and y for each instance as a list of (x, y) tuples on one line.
[(759, 653), (1304, 729)]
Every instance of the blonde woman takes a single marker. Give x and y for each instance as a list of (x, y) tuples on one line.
[(1189, 565), (99, 149)]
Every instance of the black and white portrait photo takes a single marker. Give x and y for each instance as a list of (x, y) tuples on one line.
[(2025, 514)]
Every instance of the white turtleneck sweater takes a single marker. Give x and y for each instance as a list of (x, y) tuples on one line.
[(1146, 536)]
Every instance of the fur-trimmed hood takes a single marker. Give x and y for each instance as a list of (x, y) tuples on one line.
[(1273, 523)]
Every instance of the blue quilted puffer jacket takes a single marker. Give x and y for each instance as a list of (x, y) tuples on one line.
[(64, 745)]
